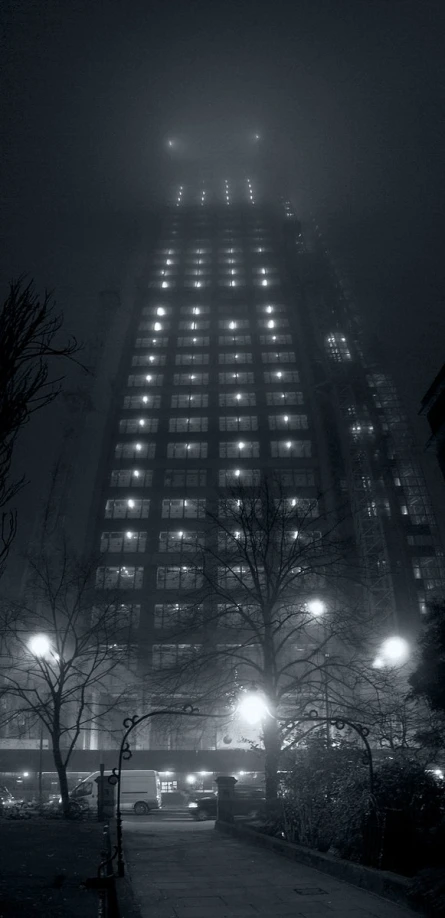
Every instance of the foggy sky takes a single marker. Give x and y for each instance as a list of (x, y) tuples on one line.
[(348, 96)]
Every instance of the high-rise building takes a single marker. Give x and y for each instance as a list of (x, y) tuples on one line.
[(433, 405), (246, 356)]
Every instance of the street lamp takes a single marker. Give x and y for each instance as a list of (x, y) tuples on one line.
[(253, 708), (317, 607), (394, 651), (39, 645)]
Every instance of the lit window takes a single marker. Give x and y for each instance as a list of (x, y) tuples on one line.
[(130, 509), (124, 578), (180, 508), (232, 450), (286, 448), (187, 450), (337, 347), (125, 478), (133, 450)]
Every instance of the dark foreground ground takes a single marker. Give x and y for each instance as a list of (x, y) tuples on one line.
[(43, 864)]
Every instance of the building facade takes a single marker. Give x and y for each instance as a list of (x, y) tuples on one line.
[(245, 357), (433, 405)]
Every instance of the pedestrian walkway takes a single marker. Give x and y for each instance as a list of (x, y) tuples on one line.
[(205, 874)]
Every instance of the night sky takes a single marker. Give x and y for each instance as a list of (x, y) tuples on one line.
[(348, 98)]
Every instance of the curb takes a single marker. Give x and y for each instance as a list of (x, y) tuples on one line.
[(127, 905), (380, 882)]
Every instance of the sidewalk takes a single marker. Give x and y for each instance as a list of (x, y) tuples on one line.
[(203, 874)]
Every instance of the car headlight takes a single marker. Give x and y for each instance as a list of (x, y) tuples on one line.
[(193, 806)]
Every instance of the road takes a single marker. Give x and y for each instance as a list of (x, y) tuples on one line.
[(165, 821)]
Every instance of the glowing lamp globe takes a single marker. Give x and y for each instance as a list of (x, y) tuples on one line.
[(252, 708), (39, 645), (317, 607), (395, 651)]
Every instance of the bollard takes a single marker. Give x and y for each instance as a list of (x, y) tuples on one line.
[(226, 798)]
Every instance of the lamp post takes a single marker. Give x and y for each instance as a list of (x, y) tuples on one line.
[(318, 609), (39, 645)]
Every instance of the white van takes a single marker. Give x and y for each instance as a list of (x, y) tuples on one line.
[(140, 791)]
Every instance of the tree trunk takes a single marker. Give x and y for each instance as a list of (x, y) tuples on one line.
[(272, 747), (63, 780)]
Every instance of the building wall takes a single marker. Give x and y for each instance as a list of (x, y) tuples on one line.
[(244, 356)]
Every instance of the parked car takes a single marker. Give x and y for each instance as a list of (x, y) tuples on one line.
[(7, 800), (174, 800), (249, 801)]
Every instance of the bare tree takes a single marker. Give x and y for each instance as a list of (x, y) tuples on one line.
[(276, 606), (29, 343), (67, 663)]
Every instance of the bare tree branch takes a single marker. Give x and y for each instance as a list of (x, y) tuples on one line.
[(29, 344)]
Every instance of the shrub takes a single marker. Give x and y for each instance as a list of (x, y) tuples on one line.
[(428, 892), (324, 796), (327, 805)]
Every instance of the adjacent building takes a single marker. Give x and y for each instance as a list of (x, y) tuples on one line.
[(433, 405)]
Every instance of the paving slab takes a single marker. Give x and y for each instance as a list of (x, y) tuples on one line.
[(205, 874)]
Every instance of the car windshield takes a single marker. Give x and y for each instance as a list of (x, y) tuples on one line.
[(83, 789)]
